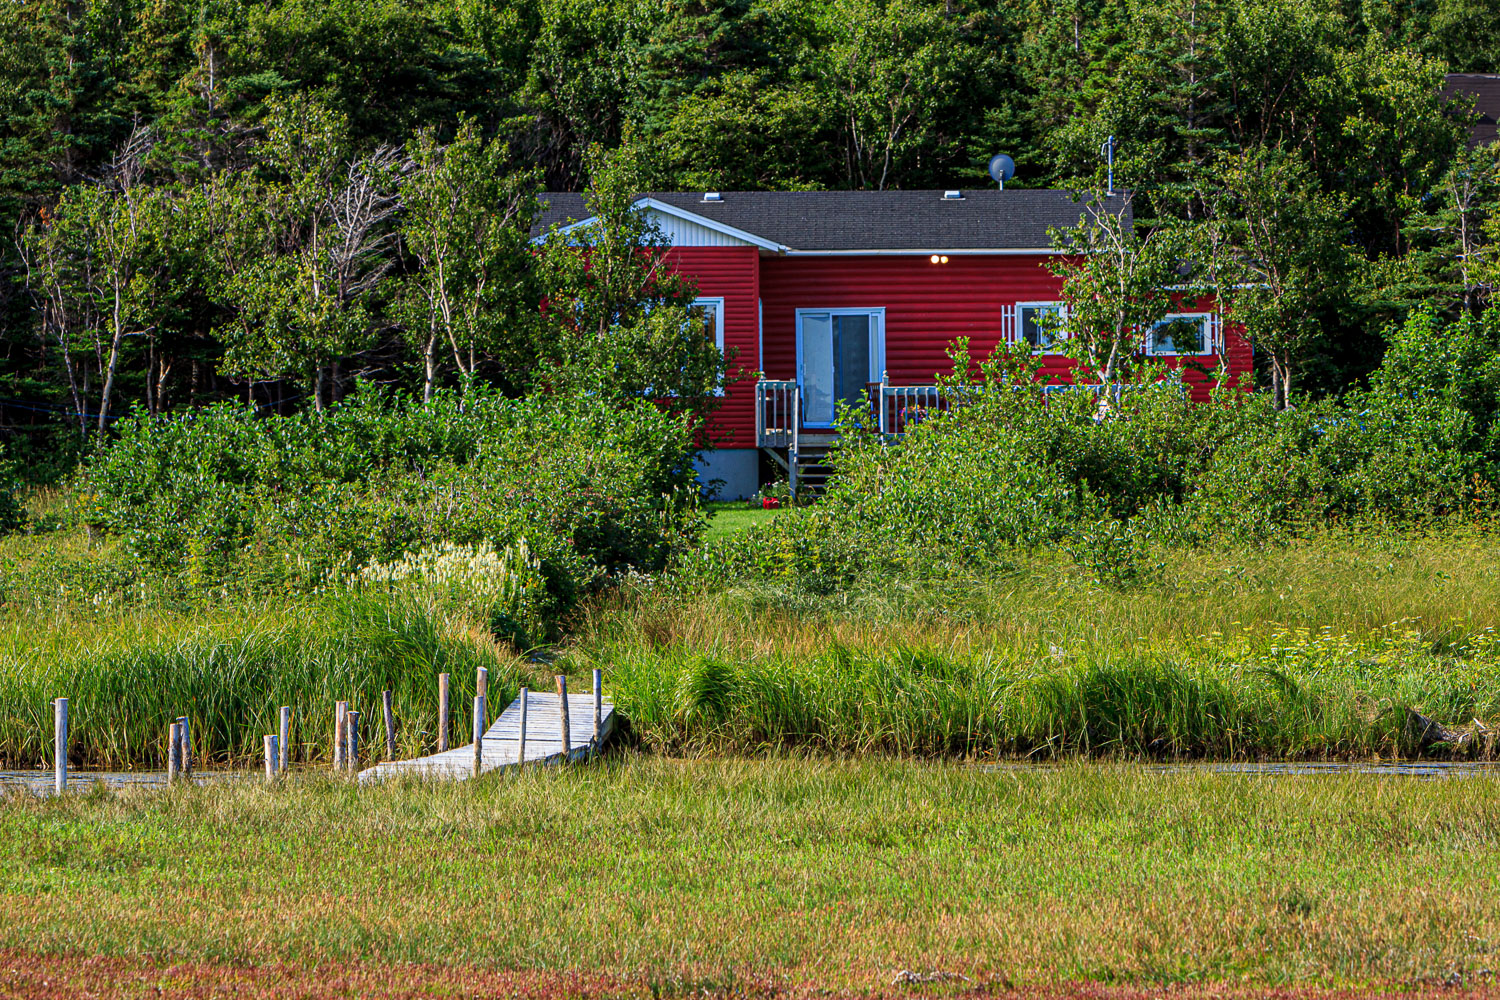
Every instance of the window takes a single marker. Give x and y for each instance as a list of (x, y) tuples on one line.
[(1042, 324), (1181, 334), (711, 311)]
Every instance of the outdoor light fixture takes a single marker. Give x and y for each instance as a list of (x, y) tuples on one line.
[(937, 259)]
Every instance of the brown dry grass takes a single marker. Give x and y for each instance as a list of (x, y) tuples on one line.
[(34, 976), (812, 874)]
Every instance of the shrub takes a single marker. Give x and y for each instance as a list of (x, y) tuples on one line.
[(1009, 467), (220, 497)]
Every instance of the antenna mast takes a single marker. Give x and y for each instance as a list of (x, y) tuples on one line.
[(1107, 150)]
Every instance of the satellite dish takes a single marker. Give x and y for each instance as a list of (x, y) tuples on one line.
[(1002, 168)]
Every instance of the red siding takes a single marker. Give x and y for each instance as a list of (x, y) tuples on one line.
[(732, 273), (926, 306)]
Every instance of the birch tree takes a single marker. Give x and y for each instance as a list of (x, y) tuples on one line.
[(1283, 256), (304, 299), (466, 222), (1116, 285)]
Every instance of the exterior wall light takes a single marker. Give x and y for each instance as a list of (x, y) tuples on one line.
[(935, 258), (939, 259)]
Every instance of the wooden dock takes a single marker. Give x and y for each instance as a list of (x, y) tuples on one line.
[(544, 742)]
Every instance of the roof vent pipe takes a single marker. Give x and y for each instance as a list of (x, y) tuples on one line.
[(712, 196), (953, 196)]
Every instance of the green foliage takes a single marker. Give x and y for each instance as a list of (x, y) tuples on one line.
[(221, 497), (1108, 474), (924, 701), (229, 677), (618, 319)]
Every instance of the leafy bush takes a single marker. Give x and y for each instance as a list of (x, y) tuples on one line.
[(223, 498), (1011, 467)]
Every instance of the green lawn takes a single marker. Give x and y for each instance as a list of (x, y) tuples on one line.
[(812, 872), (727, 518)]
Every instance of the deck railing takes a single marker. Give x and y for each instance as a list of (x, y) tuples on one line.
[(894, 409), (899, 407), (778, 411)]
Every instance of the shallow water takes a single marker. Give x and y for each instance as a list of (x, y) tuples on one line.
[(1289, 769), (41, 782)]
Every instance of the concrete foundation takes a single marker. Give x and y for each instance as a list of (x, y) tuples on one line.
[(739, 468)]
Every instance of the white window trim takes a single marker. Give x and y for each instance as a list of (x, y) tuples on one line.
[(716, 302), (1206, 339), (877, 336), (1021, 307)]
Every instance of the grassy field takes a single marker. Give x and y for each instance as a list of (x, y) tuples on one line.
[(1318, 648), (1315, 649), (681, 876)]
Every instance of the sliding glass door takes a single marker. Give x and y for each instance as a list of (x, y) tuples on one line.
[(839, 351)]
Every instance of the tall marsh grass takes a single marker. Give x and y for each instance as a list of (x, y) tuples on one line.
[(1001, 703), (1317, 649), (126, 678)]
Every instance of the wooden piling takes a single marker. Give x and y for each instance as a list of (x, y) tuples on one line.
[(478, 734), (284, 737), (598, 704), (185, 734), (443, 712), (60, 745), (174, 753), (562, 714), (340, 733), (273, 758), (521, 740), (390, 726), (351, 746), (482, 683)]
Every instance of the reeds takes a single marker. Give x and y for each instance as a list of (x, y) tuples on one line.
[(126, 680), (1317, 649)]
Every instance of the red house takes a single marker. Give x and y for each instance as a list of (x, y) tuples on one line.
[(829, 294)]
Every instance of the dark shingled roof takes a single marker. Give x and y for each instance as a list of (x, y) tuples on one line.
[(1484, 89), (985, 219)]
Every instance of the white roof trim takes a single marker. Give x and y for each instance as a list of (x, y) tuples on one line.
[(1026, 251), (718, 227), (693, 217)]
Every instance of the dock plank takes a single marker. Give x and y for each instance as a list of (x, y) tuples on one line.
[(502, 738)]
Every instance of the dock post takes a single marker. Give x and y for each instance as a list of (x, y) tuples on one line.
[(273, 759), (598, 705), (174, 753), (562, 714), (390, 726), (443, 712), (482, 692), (60, 745), (186, 735), (284, 737), (351, 748), (340, 732), (521, 740), (478, 734)]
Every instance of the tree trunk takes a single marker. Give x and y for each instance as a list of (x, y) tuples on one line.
[(109, 368)]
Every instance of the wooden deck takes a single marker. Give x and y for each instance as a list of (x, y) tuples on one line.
[(502, 740)]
